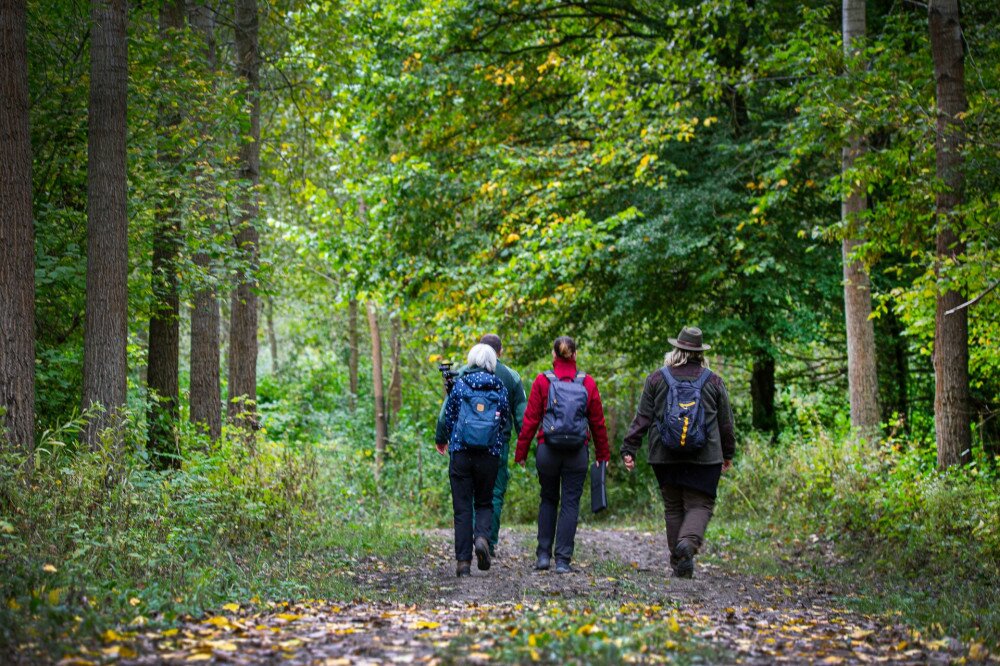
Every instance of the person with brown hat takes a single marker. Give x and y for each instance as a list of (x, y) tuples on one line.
[(685, 409)]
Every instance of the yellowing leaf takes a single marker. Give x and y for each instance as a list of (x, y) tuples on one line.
[(111, 635), (479, 656), (672, 624), (288, 617), (13, 605), (134, 601), (219, 621), (54, 597), (978, 652), (512, 238), (167, 633), (586, 630), (200, 656), (49, 568), (423, 624), (232, 608)]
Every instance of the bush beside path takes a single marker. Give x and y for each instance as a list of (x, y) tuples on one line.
[(618, 606)]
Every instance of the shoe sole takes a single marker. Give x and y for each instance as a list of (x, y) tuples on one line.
[(482, 559)]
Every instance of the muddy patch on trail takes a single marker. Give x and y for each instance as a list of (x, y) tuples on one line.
[(619, 605)]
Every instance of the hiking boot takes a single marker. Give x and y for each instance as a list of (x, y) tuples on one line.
[(482, 554), (464, 568), (682, 560), (493, 551), (543, 562), (563, 568)]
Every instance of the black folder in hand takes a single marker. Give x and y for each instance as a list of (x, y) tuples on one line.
[(598, 489)]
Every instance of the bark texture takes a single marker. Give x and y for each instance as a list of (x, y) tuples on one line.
[(243, 314), (106, 321), (164, 324), (862, 369), (206, 396), (17, 238), (381, 432), (352, 361), (952, 418)]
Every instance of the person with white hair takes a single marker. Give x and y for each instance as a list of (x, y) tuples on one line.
[(685, 409), (470, 429)]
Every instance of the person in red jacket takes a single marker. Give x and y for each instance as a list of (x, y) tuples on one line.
[(561, 464)]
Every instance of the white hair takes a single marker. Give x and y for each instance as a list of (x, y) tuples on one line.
[(483, 356), (677, 357)]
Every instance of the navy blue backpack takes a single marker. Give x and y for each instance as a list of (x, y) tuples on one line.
[(565, 421), (478, 424), (682, 424)]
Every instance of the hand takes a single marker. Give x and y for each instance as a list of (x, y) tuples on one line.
[(521, 463), (726, 465), (442, 448), (629, 462)]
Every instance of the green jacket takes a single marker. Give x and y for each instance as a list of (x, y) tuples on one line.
[(515, 397)]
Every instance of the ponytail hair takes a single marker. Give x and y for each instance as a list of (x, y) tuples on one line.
[(564, 347)]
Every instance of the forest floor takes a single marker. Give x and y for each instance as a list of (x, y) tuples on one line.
[(619, 606)]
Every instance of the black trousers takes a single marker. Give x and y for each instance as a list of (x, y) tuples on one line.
[(559, 471), (472, 474)]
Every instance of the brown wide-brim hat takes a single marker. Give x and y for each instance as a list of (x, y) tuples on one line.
[(689, 340)]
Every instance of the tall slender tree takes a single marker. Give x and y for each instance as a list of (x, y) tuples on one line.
[(381, 431), (17, 238), (205, 393), (243, 317), (352, 341), (952, 418), (396, 382), (164, 323), (106, 319), (862, 374)]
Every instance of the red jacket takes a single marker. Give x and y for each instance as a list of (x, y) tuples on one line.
[(565, 370)]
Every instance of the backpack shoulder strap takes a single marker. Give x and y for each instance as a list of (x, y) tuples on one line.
[(705, 375), (669, 377), (580, 376), (551, 376)]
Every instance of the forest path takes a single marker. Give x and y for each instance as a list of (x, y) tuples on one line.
[(618, 606)]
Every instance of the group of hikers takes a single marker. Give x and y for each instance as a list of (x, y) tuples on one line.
[(684, 409)]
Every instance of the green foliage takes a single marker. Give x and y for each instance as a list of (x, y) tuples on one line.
[(911, 533)]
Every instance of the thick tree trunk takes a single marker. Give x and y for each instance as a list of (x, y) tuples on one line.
[(106, 322), (206, 395), (951, 332), (396, 383), (352, 361), (17, 239), (243, 316), (164, 324), (762, 392), (380, 424), (862, 374), (272, 336)]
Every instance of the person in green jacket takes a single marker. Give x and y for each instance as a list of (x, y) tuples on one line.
[(517, 401)]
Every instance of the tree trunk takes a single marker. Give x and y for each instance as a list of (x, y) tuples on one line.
[(862, 375), (951, 332), (352, 361), (164, 324), (396, 384), (206, 396), (17, 239), (106, 321), (762, 393), (272, 336), (380, 424), (243, 316)]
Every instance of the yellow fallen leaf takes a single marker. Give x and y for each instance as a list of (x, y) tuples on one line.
[(49, 568), (232, 608), (225, 646), (134, 601), (479, 656), (200, 656), (167, 633), (673, 624), (423, 624), (219, 621), (74, 661), (978, 652), (54, 597), (586, 630), (860, 634), (833, 660), (111, 636), (289, 617)]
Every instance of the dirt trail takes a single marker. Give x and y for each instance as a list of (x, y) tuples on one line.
[(738, 619)]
